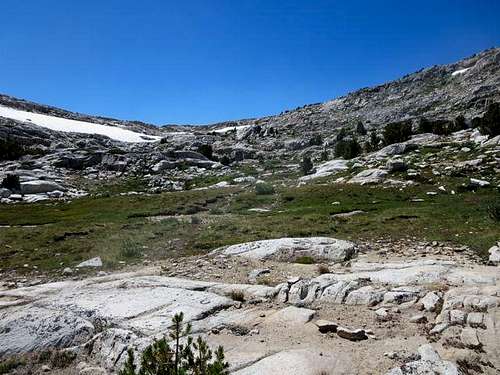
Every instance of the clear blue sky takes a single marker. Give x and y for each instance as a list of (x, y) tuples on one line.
[(205, 61)]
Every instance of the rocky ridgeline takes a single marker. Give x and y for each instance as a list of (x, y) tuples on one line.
[(464, 88), (357, 317)]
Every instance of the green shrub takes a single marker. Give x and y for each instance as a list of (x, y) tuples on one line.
[(341, 134), (11, 182), (347, 148), (206, 150), (323, 268), (441, 127), (11, 150), (9, 364), (374, 143), (316, 140), (190, 358), (264, 189), (306, 165), (494, 211), (61, 358), (130, 249), (397, 132), (360, 128)]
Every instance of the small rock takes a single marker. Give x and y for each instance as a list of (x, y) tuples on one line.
[(325, 326), (94, 262), (469, 338), (255, 274), (382, 315), (45, 368), (478, 183), (431, 300), (475, 320), (67, 271), (352, 334), (419, 318)]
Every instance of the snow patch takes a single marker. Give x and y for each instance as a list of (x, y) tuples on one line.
[(461, 71), (74, 126), (231, 128)]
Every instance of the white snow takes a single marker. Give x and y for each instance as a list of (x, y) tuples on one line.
[(461, 71), (231, 128), (74, 126)]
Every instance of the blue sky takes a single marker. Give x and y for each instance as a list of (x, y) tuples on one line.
[(213, 60)]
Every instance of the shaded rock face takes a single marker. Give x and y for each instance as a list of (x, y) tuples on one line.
[(289, 249)]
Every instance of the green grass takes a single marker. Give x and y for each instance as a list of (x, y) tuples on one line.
[(304, 260), (118, 228)]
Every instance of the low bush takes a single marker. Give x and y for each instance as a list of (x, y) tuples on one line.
[(11, 150), (397, 132), (264, 189), (494, 211), (360, 128), (10, 364), (206, 150), (306, 165), (130, 249), (192, 357), (441, 127), (347, 148), (323, 268)]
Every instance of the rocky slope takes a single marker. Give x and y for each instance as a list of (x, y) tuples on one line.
[(441, 92)]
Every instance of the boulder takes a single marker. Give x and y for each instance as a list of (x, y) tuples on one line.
[(39, 187), (366, 295), (35, 328), (255, 274), (352, 334), (292, 315), (94, 262), (326, 326), (419, 318), (494, 252), (163, 165), (327, 169), (396, 165), (369, 176), (478, 183), (289, 249), (469, 338), (431, 301), (5, 193), (382, 314), (309, 361)]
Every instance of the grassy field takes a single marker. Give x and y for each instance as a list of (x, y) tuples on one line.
[(118, 228)]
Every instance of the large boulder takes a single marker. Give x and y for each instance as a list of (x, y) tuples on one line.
[(369, 176), (289, 249), (40, 186), (328, 168)]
